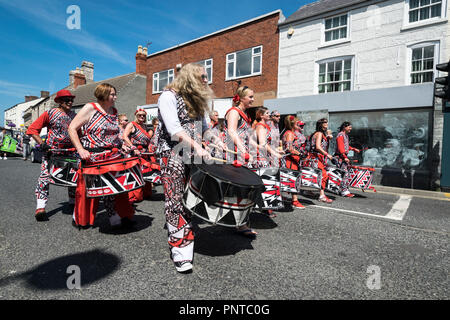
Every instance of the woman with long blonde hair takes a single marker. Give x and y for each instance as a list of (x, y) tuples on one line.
[(183, 103)]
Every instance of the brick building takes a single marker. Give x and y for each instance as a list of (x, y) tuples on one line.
[(246, 54)]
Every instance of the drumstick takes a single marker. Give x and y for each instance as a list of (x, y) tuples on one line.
[(63, 150), (225, 149), (217, 159)]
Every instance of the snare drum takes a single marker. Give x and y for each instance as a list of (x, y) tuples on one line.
[(112, 177), (335, 177), (289, 180), (271, 198), (360, 177), (63, 171), (151, 171), (222, 194)]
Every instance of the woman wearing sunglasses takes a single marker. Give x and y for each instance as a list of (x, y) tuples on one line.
[(137, 137), (57, 121)]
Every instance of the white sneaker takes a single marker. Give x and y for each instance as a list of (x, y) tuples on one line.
[(183, 266), (115, 220), (5, 158)]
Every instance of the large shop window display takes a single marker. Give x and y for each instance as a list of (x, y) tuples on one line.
[(394, 139)]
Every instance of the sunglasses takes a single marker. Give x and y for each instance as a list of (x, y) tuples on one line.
[(141, 115), (67, 99), (204, 77), (276, 116), (126, 120)]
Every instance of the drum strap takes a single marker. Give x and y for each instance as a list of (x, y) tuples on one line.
[(140, 129), (241, 113)]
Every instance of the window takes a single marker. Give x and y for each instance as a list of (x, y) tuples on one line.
[(208, 64), (336, 28), (422, 64), (424, 9), (162, 79), (244, 63), (335, 75)]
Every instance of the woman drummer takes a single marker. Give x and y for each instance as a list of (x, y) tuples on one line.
[(100, 130), (57, 121), (266, 155), (238, 126), (136, 136), (182, 111), (342, 149), (319, 154), (292, 146)]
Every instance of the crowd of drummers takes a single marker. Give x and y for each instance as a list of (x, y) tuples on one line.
[(98, 154)]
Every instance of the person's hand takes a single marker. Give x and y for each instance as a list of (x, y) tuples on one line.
[(84, 154), (329, 156), (204, 154), (347, 160), (127, 149), (45, 147), (357, 150)]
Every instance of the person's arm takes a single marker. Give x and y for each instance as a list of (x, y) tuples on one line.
[(80, 119), (319, 137), (126, 133), (290, 143), (35, 128)]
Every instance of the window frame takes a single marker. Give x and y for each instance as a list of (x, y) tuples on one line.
[(436, 44), (229, 60), (317, 82), (159, 90), (203, 63), (336, 41), (419, 22)]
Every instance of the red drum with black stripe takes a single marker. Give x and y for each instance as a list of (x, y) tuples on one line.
[(222, 194), (112, 177), (63, 171)]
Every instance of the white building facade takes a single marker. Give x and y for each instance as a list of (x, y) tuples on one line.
[(371, 63)]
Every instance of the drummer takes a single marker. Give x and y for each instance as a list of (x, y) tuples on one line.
[(100, 131), (136, 136), (57, 121), (182, 106), (342, 149), (319, 154), (293, 146), (237, 138)]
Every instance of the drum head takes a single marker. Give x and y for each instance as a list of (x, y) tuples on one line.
[(240, 176)]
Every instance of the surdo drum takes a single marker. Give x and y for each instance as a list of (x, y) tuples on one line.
[(335, 178), (222, 194), (151, 170), (63, 171), (271, 198), (112, 177), (360, 177)]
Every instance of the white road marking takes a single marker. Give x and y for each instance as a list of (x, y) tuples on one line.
[(399, 208), (397, 212)]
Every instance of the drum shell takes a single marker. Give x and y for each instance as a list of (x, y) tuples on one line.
[(360, 177), (311, 179), (271, 198), (218, 201), (63, 171), (125, 175), (335, 178), (290, 180)]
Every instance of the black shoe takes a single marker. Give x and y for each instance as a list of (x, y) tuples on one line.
[(183, 266), (40, 215)]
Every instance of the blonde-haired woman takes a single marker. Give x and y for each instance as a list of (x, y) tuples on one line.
[(183, 103), (99, 125)]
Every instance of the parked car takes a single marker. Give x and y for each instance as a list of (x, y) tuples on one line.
[(36, 153)]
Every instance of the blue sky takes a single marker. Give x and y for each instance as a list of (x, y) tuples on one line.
[(37, 49)]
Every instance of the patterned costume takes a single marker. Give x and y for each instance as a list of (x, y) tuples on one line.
[(263, 158), (342, 149), (140, 137), (99, 134), (317, 160), (173, 176), (57, 123), (243, 129)]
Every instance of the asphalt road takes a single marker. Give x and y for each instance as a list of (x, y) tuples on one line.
[(356, 248)]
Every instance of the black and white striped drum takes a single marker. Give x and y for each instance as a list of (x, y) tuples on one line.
[(112, 177), (290, 180), (311, 178), (335, 178), (271, 198), (63, 171), (222, 194)]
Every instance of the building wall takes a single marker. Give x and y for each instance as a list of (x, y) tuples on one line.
[(260, 32), (379, 41), (131, 96)]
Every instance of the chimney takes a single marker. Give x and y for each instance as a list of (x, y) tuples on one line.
[(30, 98), (141, 59), (87, 68), (45, 94), (79, 78)]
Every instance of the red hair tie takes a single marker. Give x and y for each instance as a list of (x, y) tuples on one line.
[(236, 98), (140, 110), (292, 118)]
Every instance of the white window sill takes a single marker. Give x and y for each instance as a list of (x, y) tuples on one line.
[(334, 43), (424, 23), (237, 78)]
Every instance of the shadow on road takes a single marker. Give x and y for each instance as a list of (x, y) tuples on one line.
[(54, 274), (142, 222)]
